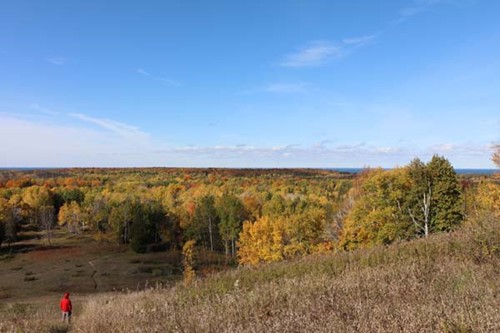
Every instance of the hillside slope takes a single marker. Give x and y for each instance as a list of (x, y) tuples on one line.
[(447, 283)]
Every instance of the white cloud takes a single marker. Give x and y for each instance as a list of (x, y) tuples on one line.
[(157, 78), (359, 41), (279, 88), (318, 53), (420, 6), (315, 54), (123, 130), (471, 149), (55, 142)]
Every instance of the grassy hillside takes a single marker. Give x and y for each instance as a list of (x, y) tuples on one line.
[(448, 283)]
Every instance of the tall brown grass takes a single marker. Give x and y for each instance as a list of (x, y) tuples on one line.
[(447, 283)]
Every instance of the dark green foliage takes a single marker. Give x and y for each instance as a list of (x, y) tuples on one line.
[(434, 184), (446, 199), (402, 203), (142, 234)]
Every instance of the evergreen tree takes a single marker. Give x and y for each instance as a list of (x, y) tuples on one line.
[(446, 201)]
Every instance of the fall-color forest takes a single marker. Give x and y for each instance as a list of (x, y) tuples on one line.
[(250, 215)]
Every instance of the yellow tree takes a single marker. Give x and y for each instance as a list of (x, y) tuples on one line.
[(71, 215), (261, 241), (377, 217), (488, 193)]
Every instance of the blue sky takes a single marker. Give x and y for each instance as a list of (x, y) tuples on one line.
[(248, 83)]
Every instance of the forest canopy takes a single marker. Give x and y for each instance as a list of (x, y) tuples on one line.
[(251, 215)]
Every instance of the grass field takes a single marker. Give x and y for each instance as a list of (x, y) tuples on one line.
[(31, 268), (448, 283)]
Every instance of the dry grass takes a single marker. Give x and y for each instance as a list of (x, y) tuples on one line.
[(448, 283)]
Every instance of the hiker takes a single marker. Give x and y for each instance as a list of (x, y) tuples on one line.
[(66, 307)]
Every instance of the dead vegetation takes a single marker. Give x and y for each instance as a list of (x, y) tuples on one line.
[(447, 283)]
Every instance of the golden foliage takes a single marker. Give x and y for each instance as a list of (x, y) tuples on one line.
[(261, 241), (188, 254), (488, 198)]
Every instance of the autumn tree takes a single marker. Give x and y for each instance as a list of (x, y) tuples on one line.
[(261, 241), (396, 204), (96, 211), (120, 220), (203, 227), (10, 218), (71, 216), (188, 262), (232, 214), (376, 216), (487, 198), (36, 197)]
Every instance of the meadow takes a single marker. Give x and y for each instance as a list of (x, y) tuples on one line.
[(446, 283)]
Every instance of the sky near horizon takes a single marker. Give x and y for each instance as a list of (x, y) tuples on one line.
[(248, 83)]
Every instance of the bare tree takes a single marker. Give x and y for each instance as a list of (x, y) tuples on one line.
[(496, 155), (424, 204), (46, 220)]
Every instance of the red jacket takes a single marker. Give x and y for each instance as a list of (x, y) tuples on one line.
[(66, 303)]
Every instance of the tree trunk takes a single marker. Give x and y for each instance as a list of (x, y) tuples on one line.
[(210, 233)]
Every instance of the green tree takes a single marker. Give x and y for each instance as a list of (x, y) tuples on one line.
[(203, 227), (276, 206), (446, 200), (376, 216), (147, 223), (232, 214), (121, 218)]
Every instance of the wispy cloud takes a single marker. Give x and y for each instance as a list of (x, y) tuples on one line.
[(158, 78), (42, 109), (279, 88), (471, 149), (57, 142), (420, 6), (323, 148), (58, 61), (121, 129), (318, 53)]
